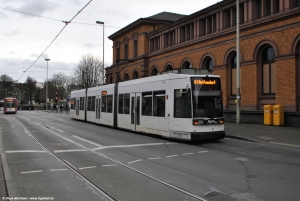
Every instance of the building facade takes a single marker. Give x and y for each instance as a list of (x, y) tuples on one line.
[(269, 52)]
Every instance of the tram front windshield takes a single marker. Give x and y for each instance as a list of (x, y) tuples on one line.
[(10, 105), (207, 97)]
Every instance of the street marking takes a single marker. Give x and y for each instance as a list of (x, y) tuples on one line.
[(31, 172), (49, 126), (200, 152), (154, 158), (69, 150), (133, 145), (27, 133), (25, 151), (187, 154), (290, 145), (134, 161), (171, 156), (109, 165), (52, 170), (10, 122), (59, 144), (86, 167), (60, 130), (121, 164), (93, 143), (242, 159)]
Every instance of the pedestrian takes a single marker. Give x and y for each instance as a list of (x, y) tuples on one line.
[(61, 107), (54, 107), (67, 108)]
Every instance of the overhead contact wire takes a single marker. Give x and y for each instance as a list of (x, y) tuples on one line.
[(67, 22)]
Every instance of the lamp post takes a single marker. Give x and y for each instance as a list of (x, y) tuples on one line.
[(99, 22), (47, 86), (238, 95)]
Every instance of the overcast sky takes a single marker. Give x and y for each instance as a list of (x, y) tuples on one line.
[(23, 38)]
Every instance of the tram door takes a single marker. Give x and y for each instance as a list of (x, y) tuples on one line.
[(77, 108), (98, 104), (135, 111)]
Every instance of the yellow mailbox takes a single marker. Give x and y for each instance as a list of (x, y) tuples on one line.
[(268, 114), (278, 115)]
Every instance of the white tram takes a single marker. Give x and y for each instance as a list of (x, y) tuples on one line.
[(187, 107)]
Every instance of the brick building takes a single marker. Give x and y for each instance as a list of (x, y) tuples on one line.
[(269, 52)]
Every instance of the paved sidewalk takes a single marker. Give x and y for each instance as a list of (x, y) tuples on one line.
[(277, 135)]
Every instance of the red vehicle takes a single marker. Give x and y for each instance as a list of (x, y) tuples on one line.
[(10, 105)]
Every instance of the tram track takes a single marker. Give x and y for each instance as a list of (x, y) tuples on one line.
[(95, 186), (91, 183)]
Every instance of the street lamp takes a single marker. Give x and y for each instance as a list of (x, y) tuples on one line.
[(99, 22), (47, 85)]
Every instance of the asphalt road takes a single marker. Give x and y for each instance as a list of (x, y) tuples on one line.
[(54, 157)]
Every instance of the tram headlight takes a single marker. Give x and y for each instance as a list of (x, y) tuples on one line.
[(198, 122), (221, 121)]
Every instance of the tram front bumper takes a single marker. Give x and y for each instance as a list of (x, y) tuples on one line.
[(207, 135)]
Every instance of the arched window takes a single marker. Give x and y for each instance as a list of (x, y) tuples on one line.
[(126, 77), (208, 64), (169, 67), (232, 66), (186, 65), (154, 72), (268, 71), (135, 75)]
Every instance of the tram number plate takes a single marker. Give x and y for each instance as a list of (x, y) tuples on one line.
[(180, 134)]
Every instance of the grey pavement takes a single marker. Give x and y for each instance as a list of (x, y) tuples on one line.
[(276, 135)]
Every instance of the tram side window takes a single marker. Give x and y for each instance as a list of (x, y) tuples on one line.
[(121, 104), (126, 103), (182, 103), (159, 103), (81, 103), (103, 106), (109, 103), (73, 103), (147, 103), (91, 103), (124, 100)]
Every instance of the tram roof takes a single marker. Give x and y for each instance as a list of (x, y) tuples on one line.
[(10, 98), (168, 75)]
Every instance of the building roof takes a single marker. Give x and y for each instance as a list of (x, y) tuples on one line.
[(163, 17), (167, 16)]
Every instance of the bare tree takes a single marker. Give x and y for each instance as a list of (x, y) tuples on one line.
[(58, 84), (88, 72), (29, 89), (5, 85)]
